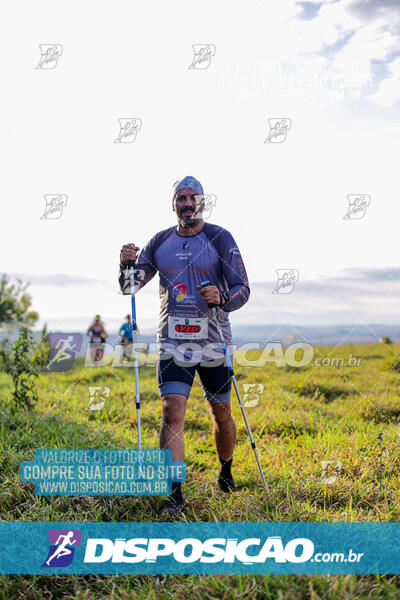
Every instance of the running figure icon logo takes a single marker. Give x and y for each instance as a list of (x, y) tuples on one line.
[(286, 281), (252, 392), (98, 397), (358, 204), (55, 204), (330, 470), (203, 54), (50, 53), (63, 347), (128, 129), (62, 542), (278, 130)]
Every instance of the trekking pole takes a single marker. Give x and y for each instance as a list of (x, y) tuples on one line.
[(233, 378), (131, 265)]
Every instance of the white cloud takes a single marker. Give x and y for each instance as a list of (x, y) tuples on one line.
[(353, 34), (389, 89)]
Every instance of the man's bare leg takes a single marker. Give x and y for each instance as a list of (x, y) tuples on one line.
[(224, 429), (225, 439), (171, 436), (171, 433)]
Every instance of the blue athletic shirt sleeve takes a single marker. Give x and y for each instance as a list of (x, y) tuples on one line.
[(234, 273), (234, 276)]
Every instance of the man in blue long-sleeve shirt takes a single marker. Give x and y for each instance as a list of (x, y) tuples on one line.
[(127, 335), (188, 339)]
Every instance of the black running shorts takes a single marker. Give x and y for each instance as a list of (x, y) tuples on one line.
[(175, 377)]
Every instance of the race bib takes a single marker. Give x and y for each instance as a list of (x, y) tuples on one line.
[(187, 328)]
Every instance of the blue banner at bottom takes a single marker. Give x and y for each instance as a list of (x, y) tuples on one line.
[(200, 548)]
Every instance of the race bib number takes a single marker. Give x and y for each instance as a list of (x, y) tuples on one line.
[(190, 328)]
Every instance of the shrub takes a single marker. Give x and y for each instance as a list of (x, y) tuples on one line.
[(23, 361)]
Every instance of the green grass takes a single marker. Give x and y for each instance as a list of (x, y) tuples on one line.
[(304, 416)]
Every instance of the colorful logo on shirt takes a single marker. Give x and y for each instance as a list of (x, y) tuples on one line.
[(179, 290), (185, 245)]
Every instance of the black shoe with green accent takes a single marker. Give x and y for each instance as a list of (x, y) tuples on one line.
[(226, 484), (172, 508), (225, 480), (175, 503)]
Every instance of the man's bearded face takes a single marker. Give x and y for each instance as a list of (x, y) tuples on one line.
[(188, 206)]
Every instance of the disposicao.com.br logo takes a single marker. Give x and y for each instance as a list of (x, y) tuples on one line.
[(189, 550), (211, 550), (179, 547)]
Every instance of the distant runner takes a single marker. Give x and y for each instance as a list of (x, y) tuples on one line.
[(98, 337), (127, 335), (185, 256)]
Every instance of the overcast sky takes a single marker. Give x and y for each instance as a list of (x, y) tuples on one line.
[(332, 69)]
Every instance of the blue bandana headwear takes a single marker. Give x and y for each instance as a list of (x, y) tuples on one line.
[(189, 182)]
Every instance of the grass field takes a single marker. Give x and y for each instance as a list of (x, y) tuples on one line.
[(304, 416)]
